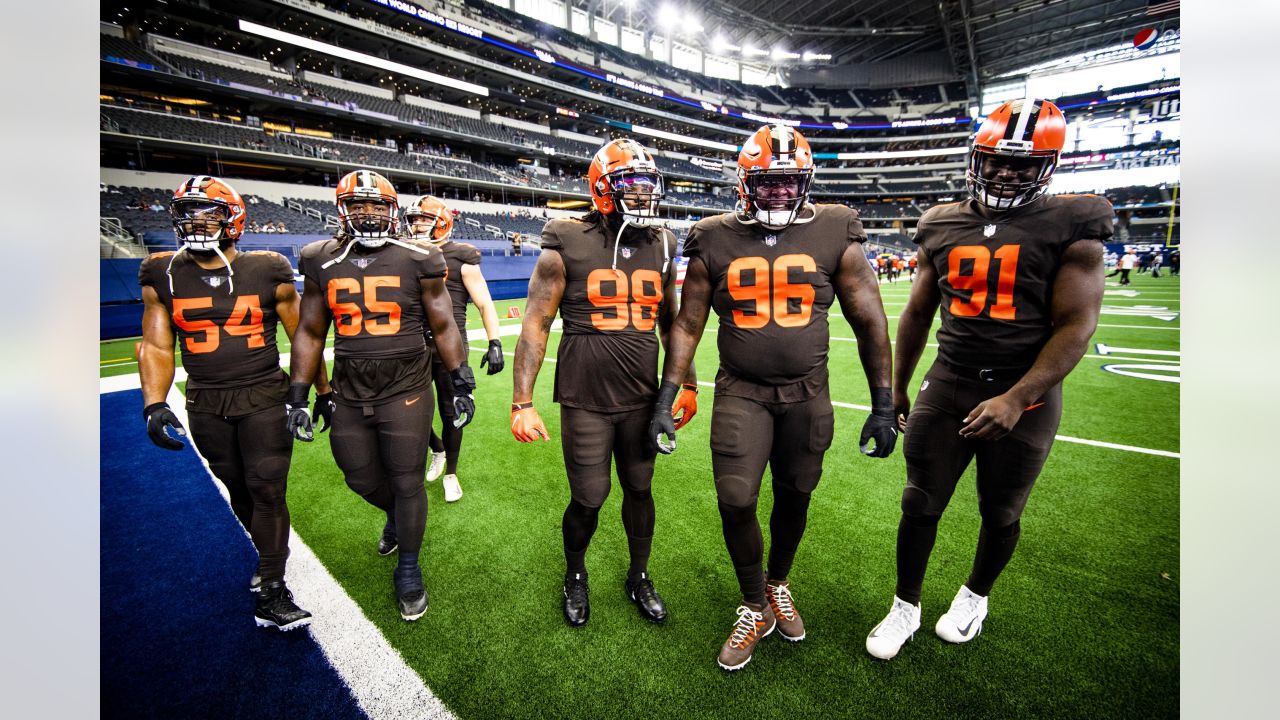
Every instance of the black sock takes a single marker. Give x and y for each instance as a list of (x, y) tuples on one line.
[(638, 522), (578, 525), (995, 548), (434, 442), (452, 447), (916, 535)]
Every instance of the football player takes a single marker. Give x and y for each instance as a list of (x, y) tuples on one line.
[(771, 270), (1017, 275), (379, 291), (430, 220), (224, 306), (610, 275)]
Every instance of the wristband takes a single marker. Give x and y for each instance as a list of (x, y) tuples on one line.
[(297, 394), (517, 407), (146, 411)]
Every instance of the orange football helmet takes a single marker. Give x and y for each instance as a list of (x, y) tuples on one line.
[(200, 202), (431, 210), (1020, 142), (371, 229), (624, 168), (777, 160)]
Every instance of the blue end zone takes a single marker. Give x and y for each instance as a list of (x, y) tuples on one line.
[(178, 637)]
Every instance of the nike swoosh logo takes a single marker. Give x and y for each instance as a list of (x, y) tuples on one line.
[(410, 402), (1033, 407), (965, 630)]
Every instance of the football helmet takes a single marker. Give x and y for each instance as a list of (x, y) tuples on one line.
[(624, 169), (1015, 153), (371, 229), (775, 172), (207, 213), (431, 210)]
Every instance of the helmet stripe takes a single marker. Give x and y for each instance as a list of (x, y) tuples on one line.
[(1026, 110), (781, 139)]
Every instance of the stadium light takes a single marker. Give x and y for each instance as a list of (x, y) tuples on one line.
[(667, 16), (345, 54)]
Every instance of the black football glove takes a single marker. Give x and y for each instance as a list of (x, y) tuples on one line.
[(494, 357), (464, 405), (298, 420), (159, 417), (880, 425), (662, 422), (323, 410)]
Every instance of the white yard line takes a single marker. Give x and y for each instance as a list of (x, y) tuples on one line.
[(382, 683)]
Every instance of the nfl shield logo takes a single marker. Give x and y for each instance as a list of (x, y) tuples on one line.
[(627, 252), (214, 281), (989, 231), (362, 263), (770, 240)]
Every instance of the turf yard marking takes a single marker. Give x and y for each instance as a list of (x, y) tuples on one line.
[(382, 684), (1132, 371)]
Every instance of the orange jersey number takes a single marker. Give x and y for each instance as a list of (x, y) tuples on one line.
[(348, 317), (634, 301), (245, 321), (976, 280), (775, 303)]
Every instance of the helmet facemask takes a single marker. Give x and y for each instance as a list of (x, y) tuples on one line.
[(775, 197), (1009, 175), (636, 195), (201, 224), (369, 227)]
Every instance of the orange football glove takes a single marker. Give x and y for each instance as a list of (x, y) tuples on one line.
[(526, 424), (686, 405)]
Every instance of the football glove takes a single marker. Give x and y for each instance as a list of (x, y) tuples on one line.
[(464, 405), (298, 420), (686, 405), (323, 410), (880, 425), (662, 422), (494, 357), (159, 417), (526, 423)]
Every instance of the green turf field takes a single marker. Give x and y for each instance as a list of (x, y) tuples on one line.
[(1083, 623)]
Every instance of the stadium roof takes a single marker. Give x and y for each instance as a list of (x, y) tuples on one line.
[(996, 36)]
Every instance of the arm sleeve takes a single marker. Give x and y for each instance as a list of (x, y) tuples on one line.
[(691, 248), (1094, 218), (470, 255), (551, 237), (432, 266), (281, 270)]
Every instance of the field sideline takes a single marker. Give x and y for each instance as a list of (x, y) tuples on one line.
[(1083, 623)]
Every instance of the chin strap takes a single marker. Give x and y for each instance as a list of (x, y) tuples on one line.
[(390, 241), (168, 270), (618, 239)]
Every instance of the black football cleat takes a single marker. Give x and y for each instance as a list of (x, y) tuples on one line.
[(388, 543), (275, 608), (641, 592), (577, 602), (255, 583), (411, 594)]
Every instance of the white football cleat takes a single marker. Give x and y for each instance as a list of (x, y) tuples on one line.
[(437, 466), (452, 490), (963, 622), (887, 638)]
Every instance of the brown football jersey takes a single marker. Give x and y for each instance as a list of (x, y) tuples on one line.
[(996, 275), (456, 255), (225, 325), (772, 290), (608, 355), (375, 299)]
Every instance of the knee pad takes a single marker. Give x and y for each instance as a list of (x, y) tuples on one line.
[(589, 493), (916, 504), (736, 491)]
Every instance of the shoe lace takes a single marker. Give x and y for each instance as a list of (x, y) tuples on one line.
[(575, 588), (966, 606), (744, 630), (898, 622), (780, 599)]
